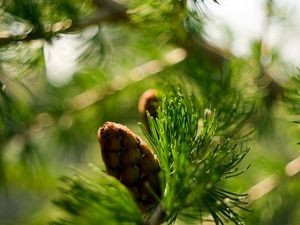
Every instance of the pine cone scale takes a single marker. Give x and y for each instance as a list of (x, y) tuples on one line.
[(130, 160)]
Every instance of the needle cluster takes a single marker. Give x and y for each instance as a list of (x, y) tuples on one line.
[(194, 164)]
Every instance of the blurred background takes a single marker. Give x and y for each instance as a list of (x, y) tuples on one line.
[(66, 67)]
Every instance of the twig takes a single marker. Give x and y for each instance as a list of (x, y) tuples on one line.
[(262, 188), (271, 182), (157, 217)]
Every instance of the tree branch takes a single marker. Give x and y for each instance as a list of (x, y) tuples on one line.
[(111, 6), (92, 96), (107, 11)]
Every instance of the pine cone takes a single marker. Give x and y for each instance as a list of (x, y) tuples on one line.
[(148, 102), (130, 160)]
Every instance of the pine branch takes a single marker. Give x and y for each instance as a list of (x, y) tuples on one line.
[(102, 200), (138, 73), (111, 11), (192, 166), (192, 170), (108, 11)]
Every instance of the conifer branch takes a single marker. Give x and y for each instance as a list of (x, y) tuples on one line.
[(107, 11), (175, 140), (192, 167), (111, 11), (138, 73)]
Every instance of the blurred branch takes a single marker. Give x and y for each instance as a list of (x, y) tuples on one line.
[(201, 49), (271, 182), (267, 185), (111, 11), (110, 6), (107, 10), (138, 73)]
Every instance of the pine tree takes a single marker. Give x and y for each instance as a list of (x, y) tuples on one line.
[(202, 124)]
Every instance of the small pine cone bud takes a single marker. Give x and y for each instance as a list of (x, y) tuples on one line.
[(207, 113), (148, 102), (131, 161)]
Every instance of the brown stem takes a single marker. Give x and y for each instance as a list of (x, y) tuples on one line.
[(157, 217)]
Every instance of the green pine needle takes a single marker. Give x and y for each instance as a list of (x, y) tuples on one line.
[(193, 164), (88, 201)]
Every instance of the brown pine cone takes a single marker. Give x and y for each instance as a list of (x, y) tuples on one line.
[(130, 160), (148, 102)]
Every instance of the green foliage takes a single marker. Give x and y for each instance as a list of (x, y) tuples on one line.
[(220, 91), (291, 94), (100, 200), (193, 169), (193, 166), (188, 22), (27, 10), (38, 13), (174, 16), (14, 115), (44, 127)]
